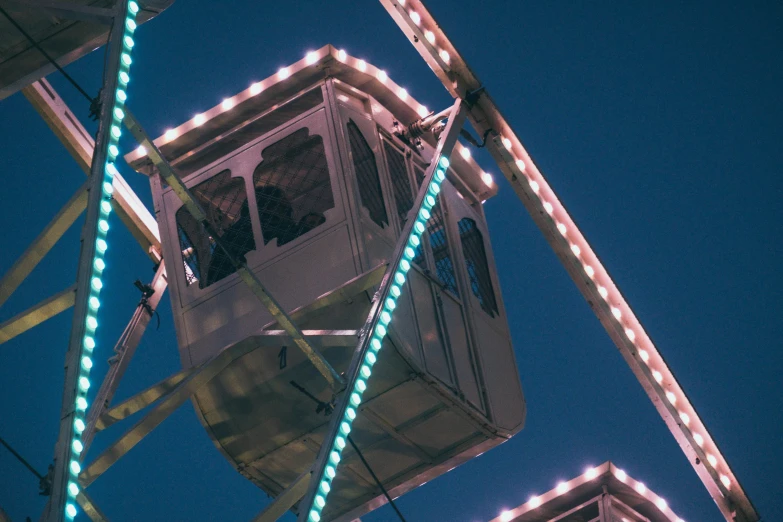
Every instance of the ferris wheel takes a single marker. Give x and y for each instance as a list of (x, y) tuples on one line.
[(323, 238)]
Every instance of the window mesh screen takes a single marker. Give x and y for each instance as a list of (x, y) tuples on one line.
[(224, 200), (403, 197), (439, 243), (367, 175), (477, 266), (292, 187)]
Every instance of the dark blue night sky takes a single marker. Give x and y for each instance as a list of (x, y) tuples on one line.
[(657, 123)]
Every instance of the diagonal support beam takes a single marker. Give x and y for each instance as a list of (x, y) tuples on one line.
[(89, 507), (123, 353), (258, 289), (42, 244), (580, 261), (37, 314), (160, 412), (374, 329), (286, 499), (79, 143)]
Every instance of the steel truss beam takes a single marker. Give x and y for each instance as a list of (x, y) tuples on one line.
[(580, 261), (285, 500), (255, 284), (445, 145), (63, 448), (89, 507), (37, 314), (77, 141), (42, 244)]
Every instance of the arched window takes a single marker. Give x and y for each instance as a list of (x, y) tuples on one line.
[(477, 266), (292, 187), (367, 175), (224, 200)]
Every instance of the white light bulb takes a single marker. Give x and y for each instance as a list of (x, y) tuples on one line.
[(444, 55), (521, 165), (589, 271), (591, 473), (311, 58), (661, 503), (342, 55), (562, 487), (630, 334), (534, 501), (712, 460), (423, 111), (641, 488), (199, 119), (672, 399), (506, 516), (699, 439), (415, 17), (227, 104), (603, 292), (403, 94), (621, 475), (685, 418), (548, 207), (657, 376), (430, 36), (726, 481), (256, 88), (141, 150), (465, 153), (534, 186), (170, 134), (382, 76), (507, 143), (576, 250), (486, 177), (562, 229), (616, 313), (283, 73)]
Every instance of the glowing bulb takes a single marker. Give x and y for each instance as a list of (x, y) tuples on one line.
[(661, 503), (657, 376), (444, 55), (228, 103), (131, 25), (562, 229), (121, 95), (119, 113), (365, 371), (283, 73), (486, 177), (630, 334), (361, 65), (521, 165), (534, 186), (712, 460), (84, 383), (403, 94), (311, 58), (601, 290), (314, 516), (199, 120), (430, 36), (92, 323), (342, 55), (423, 111), (255, 89), (382, 76), (548, 207), (78, 425), (534, 501), (124, 78), (126, 59), (355, 398), (170, 134), (116, 132), (73, 489), (75, 467), (562, 487), (89, 342), (86, 363), (621, 475), (96, 283), (103, 225), (330, 472), (507, 143), (77, 446), (141, 150), (684, 417), (641, 488), (616, 313), (591, 473), (133, 7), (334, 457), (319, 501), (673, 400), (81, 403), (506, 516), (576, 250), (465, 153), (415, 17), (380, 330), (589, 271), (128, 42), (699, 439), (726, 481), (113, 151), (70, 510)]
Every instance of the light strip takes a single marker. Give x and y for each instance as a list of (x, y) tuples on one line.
[(98, 262), (582, 263), (376, 341), (590, 474)]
